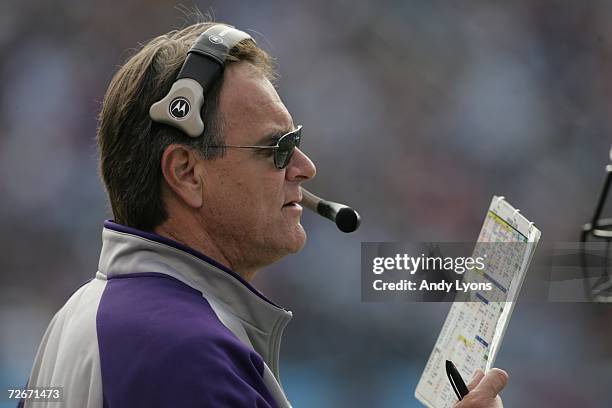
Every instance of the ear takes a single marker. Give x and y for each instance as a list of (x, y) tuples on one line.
[(181, 168)]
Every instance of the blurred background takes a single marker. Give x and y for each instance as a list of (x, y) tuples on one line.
[(415, 113)]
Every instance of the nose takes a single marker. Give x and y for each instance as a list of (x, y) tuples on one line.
[(300, 167)]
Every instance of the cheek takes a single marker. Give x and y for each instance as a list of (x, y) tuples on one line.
[(267, 193), (248, 192), (272, 216), (258, 196)]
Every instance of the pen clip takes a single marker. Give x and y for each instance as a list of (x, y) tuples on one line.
[(461, 390), (452, 382)]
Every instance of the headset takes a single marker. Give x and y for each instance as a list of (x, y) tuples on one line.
[(204, 64), (182, 106)]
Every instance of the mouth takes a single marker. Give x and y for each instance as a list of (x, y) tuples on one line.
[(293, 203)]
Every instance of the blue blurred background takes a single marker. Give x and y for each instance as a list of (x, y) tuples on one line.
[(415, 113)]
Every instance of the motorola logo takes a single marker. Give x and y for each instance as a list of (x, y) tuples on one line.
[(215, 39), (179, 108)]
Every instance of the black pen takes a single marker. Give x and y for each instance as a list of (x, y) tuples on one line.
[(456, 381)]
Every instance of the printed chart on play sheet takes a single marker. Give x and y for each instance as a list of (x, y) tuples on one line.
[(476, 322)]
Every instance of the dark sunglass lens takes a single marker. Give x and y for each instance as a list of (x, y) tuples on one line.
[(286, 145), (298, 137)]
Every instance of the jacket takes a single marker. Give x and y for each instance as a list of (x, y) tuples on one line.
[(162, 325)]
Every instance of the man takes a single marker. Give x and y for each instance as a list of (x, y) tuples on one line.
[(170, 319)]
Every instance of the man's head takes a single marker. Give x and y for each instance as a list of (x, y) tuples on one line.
[(159, 179)]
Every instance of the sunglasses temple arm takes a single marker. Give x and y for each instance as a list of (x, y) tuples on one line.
[(346, 219)]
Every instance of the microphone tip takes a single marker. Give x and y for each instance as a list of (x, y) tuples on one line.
[(347, 220)]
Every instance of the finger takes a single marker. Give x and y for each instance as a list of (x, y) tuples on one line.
[(478, 374), (493, 382)]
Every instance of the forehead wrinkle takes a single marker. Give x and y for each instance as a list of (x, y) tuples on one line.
[(265, 102), (249, 99)]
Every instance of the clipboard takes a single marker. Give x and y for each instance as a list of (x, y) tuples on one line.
[(475, 325)]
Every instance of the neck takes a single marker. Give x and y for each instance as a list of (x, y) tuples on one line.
[(194, 236)]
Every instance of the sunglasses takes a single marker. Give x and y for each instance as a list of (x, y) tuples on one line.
[(283, 150)]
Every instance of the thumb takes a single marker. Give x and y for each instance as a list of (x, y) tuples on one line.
[(478, 374), (493, 382)]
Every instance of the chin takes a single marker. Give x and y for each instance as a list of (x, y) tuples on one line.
[(297, 240)]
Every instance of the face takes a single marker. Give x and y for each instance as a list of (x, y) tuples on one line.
[(249, 204)]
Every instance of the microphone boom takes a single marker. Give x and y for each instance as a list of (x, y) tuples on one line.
[(346, 219)]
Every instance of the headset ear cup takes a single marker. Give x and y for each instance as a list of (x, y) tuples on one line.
[(181, 107), (204, 63)]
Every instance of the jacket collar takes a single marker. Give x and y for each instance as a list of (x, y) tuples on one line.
[(128, 251)]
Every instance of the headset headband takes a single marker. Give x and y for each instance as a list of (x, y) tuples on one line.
[(203, 65)]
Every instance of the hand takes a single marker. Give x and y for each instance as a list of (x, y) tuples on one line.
[(484, 389)]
